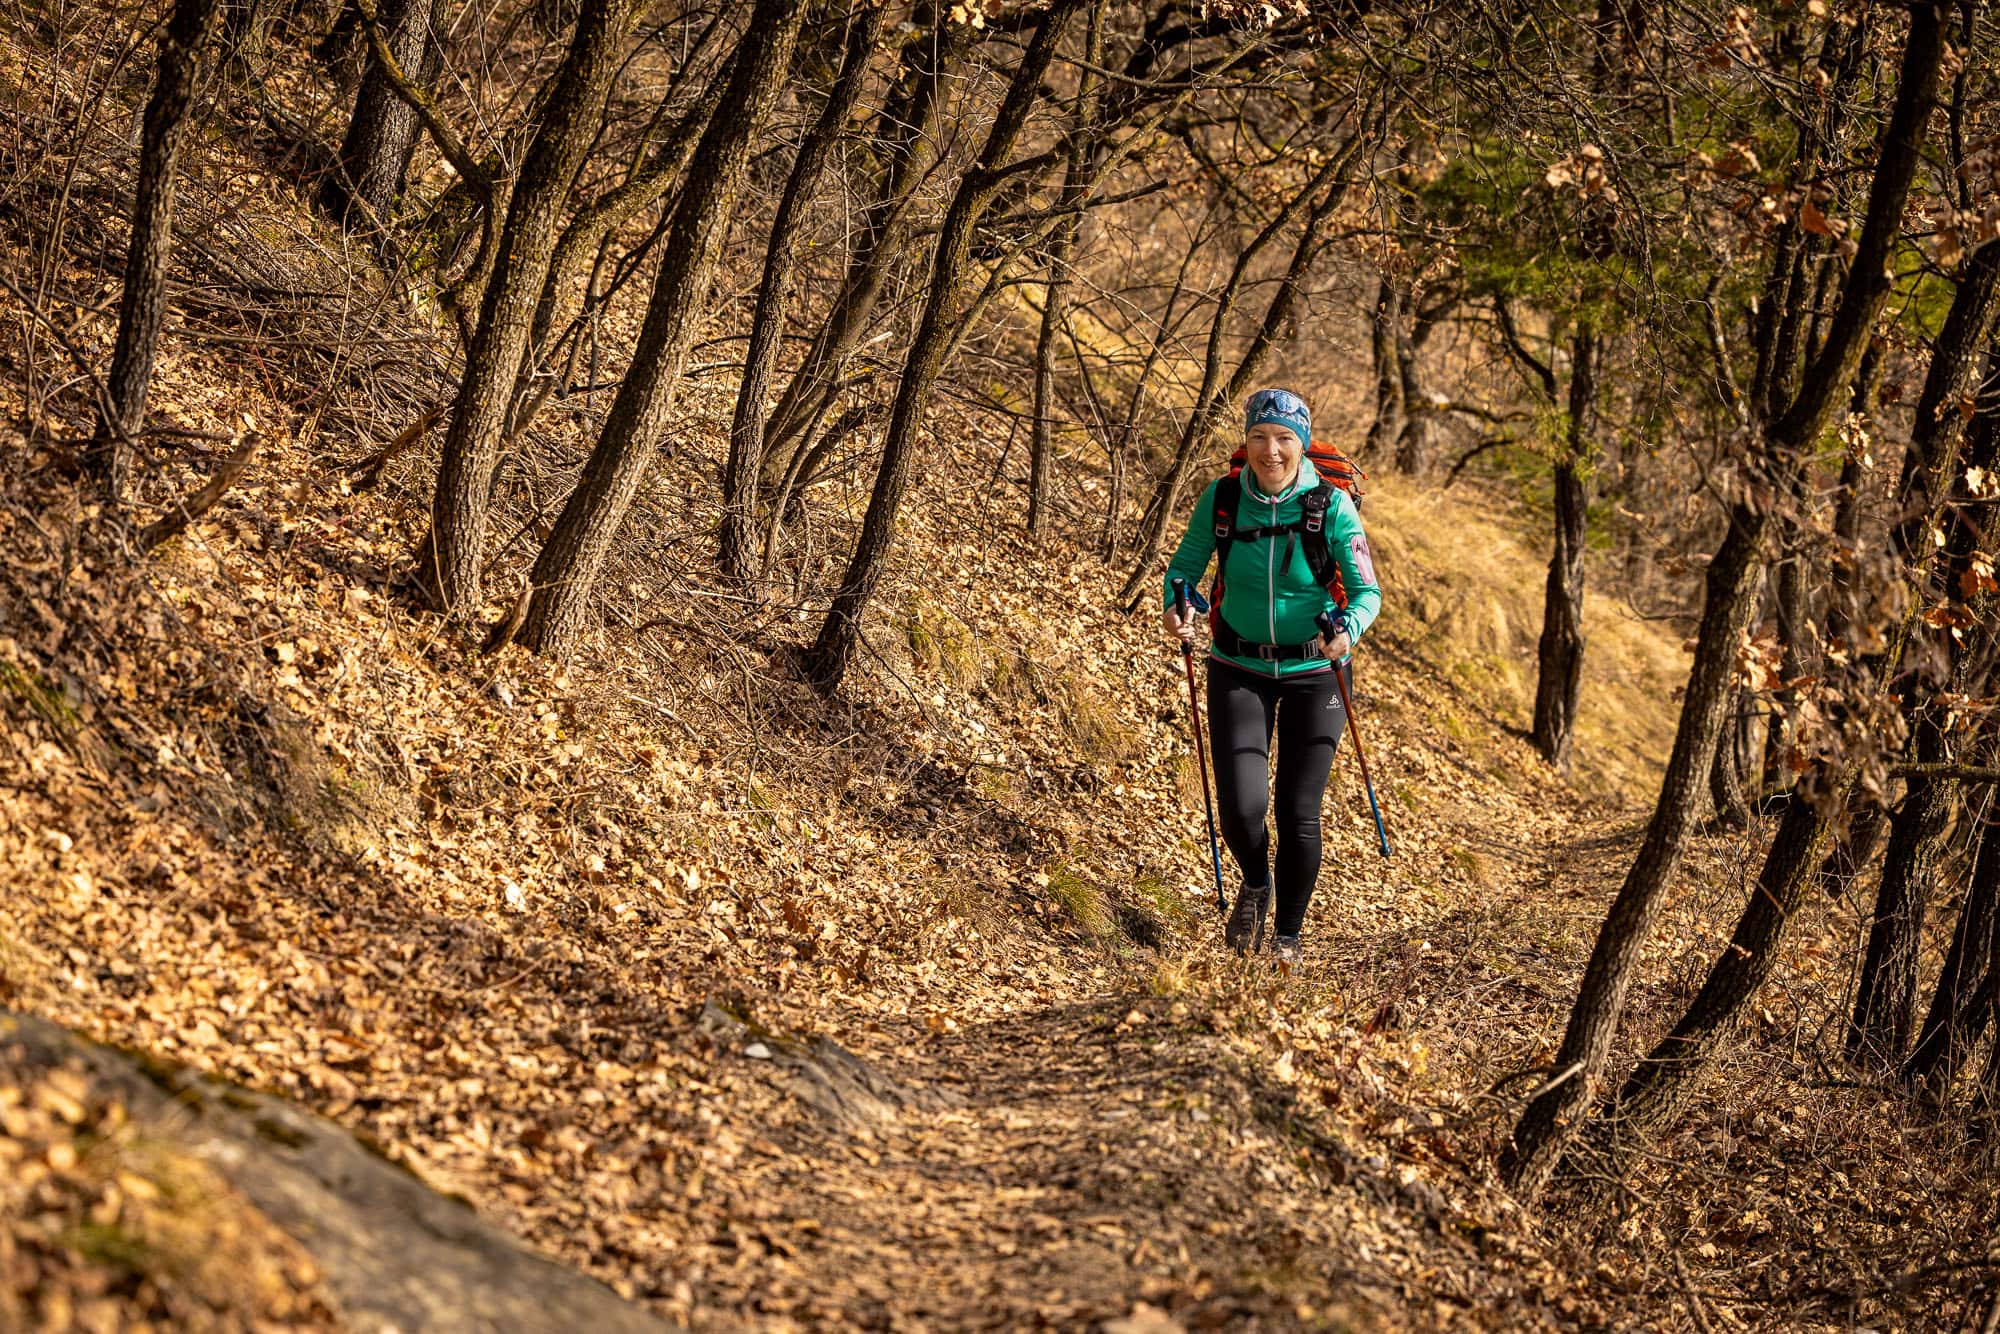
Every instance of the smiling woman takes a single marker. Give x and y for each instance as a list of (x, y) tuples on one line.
[(1270, 669)]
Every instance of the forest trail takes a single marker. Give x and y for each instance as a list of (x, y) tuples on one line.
[(1203, 1144), (504, 931)]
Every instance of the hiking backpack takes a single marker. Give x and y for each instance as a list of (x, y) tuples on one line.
[(1335, 470)]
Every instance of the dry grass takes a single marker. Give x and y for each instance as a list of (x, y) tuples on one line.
[(1464, 585)]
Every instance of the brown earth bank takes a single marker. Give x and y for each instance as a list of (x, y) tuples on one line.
[(902, 1011)]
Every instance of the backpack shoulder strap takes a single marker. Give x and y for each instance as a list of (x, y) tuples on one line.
[(1228, 494), (1318, 542)]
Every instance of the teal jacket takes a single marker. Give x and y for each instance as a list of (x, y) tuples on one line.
[(1268, 604)]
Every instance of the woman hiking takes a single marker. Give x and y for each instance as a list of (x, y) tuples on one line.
[(1270, 669)]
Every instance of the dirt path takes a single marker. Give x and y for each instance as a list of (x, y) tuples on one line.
[(1060, 1167)]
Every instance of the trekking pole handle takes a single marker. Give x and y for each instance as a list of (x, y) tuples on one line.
[(1181, 610), (1327, 628)]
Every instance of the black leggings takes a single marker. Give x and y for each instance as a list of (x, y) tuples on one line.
[(1243, 710)]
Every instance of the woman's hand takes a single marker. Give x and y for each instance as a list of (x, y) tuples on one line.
[(1335, 646), (1178, 626)]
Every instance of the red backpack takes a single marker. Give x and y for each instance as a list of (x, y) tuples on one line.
[(1335, 470)]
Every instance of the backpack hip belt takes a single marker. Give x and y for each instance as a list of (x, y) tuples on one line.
[(1228, 641)]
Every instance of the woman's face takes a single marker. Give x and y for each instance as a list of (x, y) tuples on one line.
[(1273, 453)]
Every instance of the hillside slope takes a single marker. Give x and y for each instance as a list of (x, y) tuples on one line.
[(907, 1009)]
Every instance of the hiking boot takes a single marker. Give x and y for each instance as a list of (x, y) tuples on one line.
[(1246, 919), (1286, 950)]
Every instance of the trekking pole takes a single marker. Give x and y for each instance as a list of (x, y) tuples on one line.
[(1200, 749), (1327, 628)]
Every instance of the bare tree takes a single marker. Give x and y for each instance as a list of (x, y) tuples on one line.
[(1884, 1018), (1055, 303), (452, 556), (142, 306), (828, 659), (565, 574), (1787, 438), (737, 540), (1309, 207), (1559, 659)]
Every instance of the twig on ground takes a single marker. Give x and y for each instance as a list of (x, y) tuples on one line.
[(186, 512)]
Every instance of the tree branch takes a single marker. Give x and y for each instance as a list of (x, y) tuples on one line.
[(473, 172), (1492, 442), (1718, 347), (201, 502), (1511, 335), (1963, 772)]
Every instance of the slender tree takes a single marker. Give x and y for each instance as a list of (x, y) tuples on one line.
[(1385, 351), (833, 650), (1559, 660), (905, 148), (737, 539), (451, 559), (665, 163), (1055, 303), (142, 306), (565, 574), (1883, 1019), (1787, 439), (1308, 207)]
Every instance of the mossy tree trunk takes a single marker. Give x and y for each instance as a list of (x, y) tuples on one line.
[(367, 178)]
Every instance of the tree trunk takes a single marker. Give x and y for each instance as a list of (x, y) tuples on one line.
[(1055, 316), (451, 559), (1666, 1080), (1413, 438), (908, 136), (828, 659), (142, 306), (1878, 1032), (1788, 597), (1546, 1123), (1560, 659), (1593, 1023), (368, 176), (1055, 305), (1880, 1028), (738, 538), (1725, 775), (1956, 1017), (651, 178), (566, 571), (1385, 341)]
